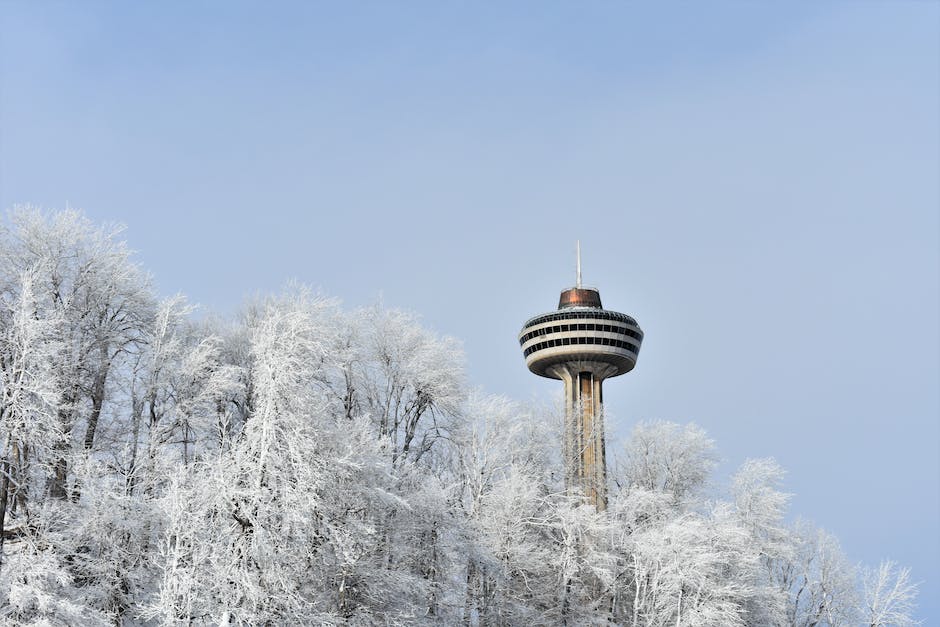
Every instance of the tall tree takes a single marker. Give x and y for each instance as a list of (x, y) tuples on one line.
[(824, 587), (888, 596), (29, 396), (101, 300), (760, 507), (410, 380), (667, 457)]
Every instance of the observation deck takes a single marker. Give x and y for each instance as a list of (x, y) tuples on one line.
[(581, 333)]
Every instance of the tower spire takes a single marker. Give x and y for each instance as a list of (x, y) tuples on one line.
[(579, 263)]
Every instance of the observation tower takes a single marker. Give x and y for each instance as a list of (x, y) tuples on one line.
[(582, 344)]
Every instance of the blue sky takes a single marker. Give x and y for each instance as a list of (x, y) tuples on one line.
[(757, 184)]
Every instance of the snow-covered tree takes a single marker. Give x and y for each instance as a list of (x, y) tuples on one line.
[(760, 507), (668, 457), (823, 583), (888, 596), (29, 397), (407, 379), (84, 279), (262, 511), (690, 571)]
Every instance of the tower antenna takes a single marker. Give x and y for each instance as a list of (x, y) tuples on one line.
[(579, 264)]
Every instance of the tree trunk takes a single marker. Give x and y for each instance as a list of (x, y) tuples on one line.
[(60, 473), (4, 495), (432, 572), (131, 480), (59, 479), (566, 602), (470, 596), (97, 398)]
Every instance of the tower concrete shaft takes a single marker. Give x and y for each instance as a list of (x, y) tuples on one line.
[(584, 450)]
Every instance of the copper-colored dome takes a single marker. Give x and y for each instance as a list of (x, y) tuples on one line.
[(580, 297)]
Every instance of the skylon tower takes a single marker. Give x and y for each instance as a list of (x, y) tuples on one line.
[(582, 344)]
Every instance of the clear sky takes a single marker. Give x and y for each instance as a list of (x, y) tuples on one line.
[(757, 183)]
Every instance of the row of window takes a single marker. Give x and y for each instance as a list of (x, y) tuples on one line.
[(566, 341), (581, 326), (578, 312)]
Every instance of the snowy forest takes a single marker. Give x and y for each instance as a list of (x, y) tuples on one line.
[(302, 463)]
